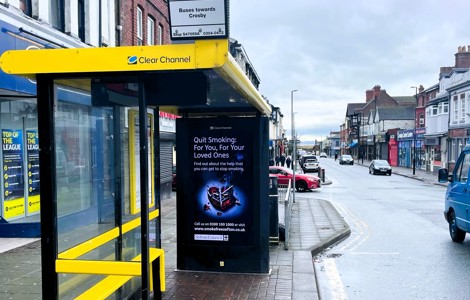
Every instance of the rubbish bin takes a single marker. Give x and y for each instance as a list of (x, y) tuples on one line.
[(273, 210)]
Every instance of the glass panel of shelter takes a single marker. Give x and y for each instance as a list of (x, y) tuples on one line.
[(97, 171)]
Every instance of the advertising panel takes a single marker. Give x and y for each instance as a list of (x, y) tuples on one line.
[(198, 19), (32, 152), (220, 167), (13, 176), (222, 194)]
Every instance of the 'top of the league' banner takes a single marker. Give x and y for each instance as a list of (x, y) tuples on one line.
[(32, 143), (13, 176)]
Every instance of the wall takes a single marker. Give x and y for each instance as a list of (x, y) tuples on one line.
[(158, 9)]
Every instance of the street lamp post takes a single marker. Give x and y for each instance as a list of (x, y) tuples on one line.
[(294, 159), (414, 130)]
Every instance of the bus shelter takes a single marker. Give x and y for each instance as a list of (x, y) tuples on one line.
[(107, 101)]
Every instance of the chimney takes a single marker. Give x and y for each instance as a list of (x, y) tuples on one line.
[(462, 57), (376, 90), (421, 88), (369, 95), (444, 71)]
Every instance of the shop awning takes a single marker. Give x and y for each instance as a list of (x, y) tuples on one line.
[(352, 145), (209, 56)]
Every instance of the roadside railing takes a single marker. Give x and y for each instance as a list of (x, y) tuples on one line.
[(285, 200)]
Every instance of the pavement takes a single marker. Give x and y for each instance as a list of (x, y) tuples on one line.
[(316, 225)]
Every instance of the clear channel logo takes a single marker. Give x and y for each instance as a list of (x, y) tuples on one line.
[(132, 60)]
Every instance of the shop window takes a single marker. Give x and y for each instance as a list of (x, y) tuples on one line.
[(20, 160)]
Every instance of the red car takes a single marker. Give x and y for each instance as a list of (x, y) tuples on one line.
[(303, 182)]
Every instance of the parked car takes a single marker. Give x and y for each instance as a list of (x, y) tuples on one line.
[(323, 155), (346, 159), (380, 166), (310, 165), (303, 182), (303, 158), (457, 198)]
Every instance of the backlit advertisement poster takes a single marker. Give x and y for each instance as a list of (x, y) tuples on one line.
[(32, 152), (13, 177), (220, 164)]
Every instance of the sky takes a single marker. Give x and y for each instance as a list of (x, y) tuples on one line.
[(332, 51)]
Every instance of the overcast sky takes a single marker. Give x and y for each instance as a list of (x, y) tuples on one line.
[(332, 51)]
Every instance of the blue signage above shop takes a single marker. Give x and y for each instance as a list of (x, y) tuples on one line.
[(407, 134)]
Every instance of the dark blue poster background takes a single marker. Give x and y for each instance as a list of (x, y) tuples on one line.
[(221, 174), (13, 180)]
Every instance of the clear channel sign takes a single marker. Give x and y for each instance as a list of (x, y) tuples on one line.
[(198, 19)]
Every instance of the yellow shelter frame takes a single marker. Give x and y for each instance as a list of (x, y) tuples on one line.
[(51, 64)]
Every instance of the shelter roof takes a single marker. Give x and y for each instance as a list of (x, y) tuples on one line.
[(209, 56)]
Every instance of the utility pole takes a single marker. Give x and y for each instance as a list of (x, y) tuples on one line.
[(294, 159), (414, 131)]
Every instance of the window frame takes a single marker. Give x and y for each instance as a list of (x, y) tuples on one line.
[(57, 14), (160, 34), (455, 102), (140, 26), (150, 30)]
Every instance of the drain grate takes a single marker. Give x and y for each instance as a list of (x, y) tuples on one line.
[(333, 255)]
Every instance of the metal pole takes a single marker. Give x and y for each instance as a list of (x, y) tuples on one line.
[(294, 159), (414, 130)]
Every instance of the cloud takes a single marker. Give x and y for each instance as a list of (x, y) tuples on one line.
[(333, 51)]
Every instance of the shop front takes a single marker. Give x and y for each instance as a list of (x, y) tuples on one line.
[(381, 146), (20, 202), (420, 149), (435, 146), (457, 139), (405, 148), (370, 148)]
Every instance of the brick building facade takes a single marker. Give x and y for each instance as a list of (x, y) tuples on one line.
[(136, 18)]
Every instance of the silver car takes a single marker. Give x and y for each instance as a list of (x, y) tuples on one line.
[(310, 165), (346, 159)]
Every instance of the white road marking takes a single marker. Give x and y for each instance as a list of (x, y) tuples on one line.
[(361, 231)]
